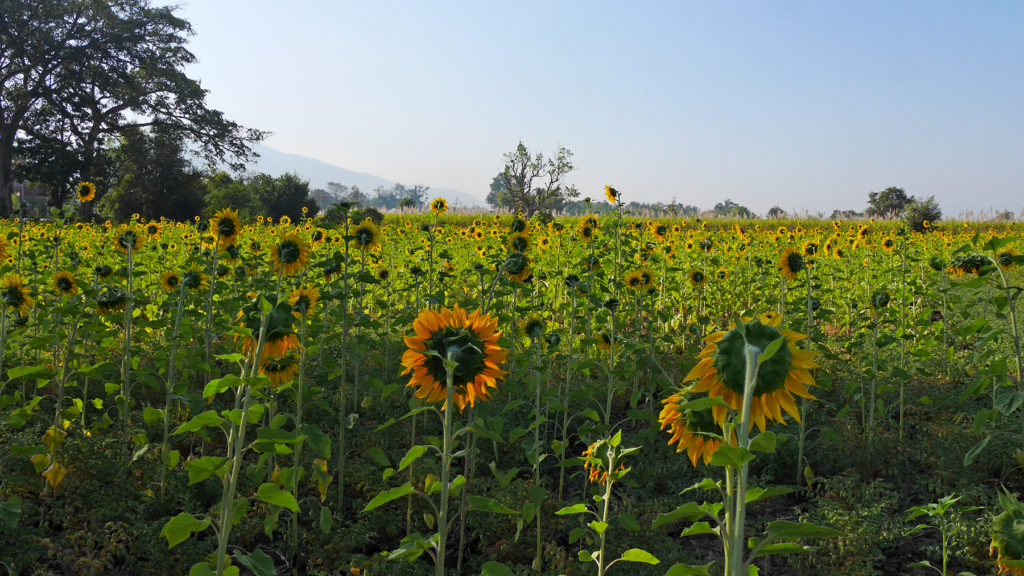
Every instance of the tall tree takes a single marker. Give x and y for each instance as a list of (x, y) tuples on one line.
[(77, 72), (535, 184), (153, 178), (888, 203)]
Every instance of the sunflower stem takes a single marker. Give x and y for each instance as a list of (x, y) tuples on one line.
[(169, 391), (446, 460)]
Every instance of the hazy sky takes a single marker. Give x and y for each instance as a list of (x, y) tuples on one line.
[(809, 105)]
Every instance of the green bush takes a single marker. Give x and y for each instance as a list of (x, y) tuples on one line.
[(920, 213)]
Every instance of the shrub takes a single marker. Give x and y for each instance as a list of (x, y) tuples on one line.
[(920, 213)]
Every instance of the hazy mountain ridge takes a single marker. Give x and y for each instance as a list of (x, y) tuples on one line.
[(319, 173)]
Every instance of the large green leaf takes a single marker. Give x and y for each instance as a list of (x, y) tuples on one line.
[(638, 555), (574, 509), (389, 495), (688, 570), (973, 452), (10, 512), (258, 562), (733, 456), (272, 494), (785, 530), (412, 455), (492, 568), (179, 528), (691, 511), (202, 468), (209, 418), (482, 504)]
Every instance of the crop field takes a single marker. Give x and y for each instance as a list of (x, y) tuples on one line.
[(476, 394)]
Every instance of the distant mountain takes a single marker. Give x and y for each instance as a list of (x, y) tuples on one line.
[(319, 173)]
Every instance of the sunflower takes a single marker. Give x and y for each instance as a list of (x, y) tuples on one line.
[(586, 231), (519, 242), (226, 223), (290, 253), (595, 462), (366, 235), (279, 371), (128, 238), (14, 292), (153, 229), (304, 298), (791, 263), (64, 283), (694, 431), (1005, 259), (471, 340), (611, 194), (194, 278), (85, 191), (517, 267), (103, 271), (888, 244), (280, 337), (170, 280), (605, 341), (532, 328), (697, 278), (721, 369), (439, 206)]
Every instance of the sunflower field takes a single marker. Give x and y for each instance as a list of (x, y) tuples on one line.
[(476, 394)]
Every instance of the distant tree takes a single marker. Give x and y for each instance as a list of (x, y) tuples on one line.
[(776, 212), (498, 198), (398, 196), (152, 178), (225, 191), (282, 196), (535, 184), (74, 74), (919, 212), (322, 197), (730, 209), (888, 203), (845, 214)]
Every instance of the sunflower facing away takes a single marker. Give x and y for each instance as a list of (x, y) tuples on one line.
[(14, 292), (280, 335), (290, 253), (473, 341), (226, 224), (1007, 530), (85, 191), (64, 283), (720, 372)]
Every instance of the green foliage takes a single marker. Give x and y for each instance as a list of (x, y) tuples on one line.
[(920, 215), (887, 203)]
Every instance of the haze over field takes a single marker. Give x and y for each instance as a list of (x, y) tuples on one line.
[(806, 105)]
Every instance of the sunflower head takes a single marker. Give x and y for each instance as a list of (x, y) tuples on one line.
[(697, 278), (194, 278), (533, 328), (85, 191), (290, 253), (65, 283), (880, 299), (721, 371), (517, 267), (1005, 259), (303, 299), (128, 239), (366, 235), (519, 242), (611, 194), (470, 340), (111, 299), (279, 371), (15, 293), (280, 335), (439, 206), (692, 431), (170, 280), (791, 263), (226, 224)]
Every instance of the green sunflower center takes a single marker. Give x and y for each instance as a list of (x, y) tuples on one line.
[(468, 351), (794, 262), (364, 236), (289, 252), (226, 228), (730, 360)]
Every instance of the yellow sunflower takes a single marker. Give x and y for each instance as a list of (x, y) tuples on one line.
[(470, 339), (791, 263), (366, 235), (170, 280), (694, 431), (194, 278), (519, 242), (722, 366), (611, 194), (304, 298), (290, 253), (697, 278), (85, 191), (128, 238), (226, 224), (439, 206), (280, 335), (15, 293), (65, 283), (279, 371)]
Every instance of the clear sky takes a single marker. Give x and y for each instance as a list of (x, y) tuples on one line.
[(808, 105)]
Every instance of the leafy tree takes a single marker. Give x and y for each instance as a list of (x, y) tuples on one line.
[(398, 196), (918, 212), (225, 191), (152, 178), (282, 196), (535, 184), (776, 212), (888, 203), (498, 197), (74, 73), (730, 209)]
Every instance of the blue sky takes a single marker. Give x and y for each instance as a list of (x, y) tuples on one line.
[(808, 105)]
